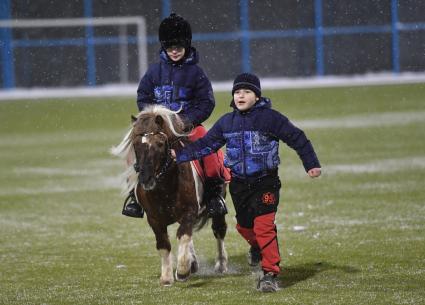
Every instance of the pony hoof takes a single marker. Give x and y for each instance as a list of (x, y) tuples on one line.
[(166, 283), (182, 277), (194, 267), (220, 268)]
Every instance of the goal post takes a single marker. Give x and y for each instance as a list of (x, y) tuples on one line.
[(89, 41)]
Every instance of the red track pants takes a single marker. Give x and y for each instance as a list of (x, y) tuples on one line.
[(264, 235)]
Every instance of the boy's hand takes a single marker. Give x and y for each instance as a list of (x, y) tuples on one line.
[(173, 154), (314, 172)]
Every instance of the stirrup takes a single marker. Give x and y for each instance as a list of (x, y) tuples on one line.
[(131, 208), (216, 206)]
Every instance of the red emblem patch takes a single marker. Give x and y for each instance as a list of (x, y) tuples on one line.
[(268, 198)]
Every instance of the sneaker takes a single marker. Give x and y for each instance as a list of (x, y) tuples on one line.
[(267, 283), (131, 208), (254, 256)]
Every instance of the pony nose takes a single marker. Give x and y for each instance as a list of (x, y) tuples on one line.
[(146, 180), (149, 185)]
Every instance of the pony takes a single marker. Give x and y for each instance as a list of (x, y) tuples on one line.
[(169, 192)]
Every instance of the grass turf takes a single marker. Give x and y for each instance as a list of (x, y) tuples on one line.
[(353, 236)]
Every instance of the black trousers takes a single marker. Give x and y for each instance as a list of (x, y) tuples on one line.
[(255, 197)]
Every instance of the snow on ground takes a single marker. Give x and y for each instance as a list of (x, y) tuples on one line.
[(91, 178), (96, 174), (266, 83)]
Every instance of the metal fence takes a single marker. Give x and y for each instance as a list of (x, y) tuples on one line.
[(272, 38)]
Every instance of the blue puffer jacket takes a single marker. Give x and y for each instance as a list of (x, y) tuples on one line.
[(176, 85), (252, 141)]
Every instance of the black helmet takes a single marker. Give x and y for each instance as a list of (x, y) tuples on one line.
[(175, 30)]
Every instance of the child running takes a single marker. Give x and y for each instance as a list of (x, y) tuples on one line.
[(251, 134)]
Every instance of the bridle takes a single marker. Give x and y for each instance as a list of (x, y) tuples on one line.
[(168, 160)]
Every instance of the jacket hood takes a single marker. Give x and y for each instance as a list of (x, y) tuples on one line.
[(263, 102), (191, 58)]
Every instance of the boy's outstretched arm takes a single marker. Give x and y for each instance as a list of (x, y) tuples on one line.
[(297, 140), (204, 146)]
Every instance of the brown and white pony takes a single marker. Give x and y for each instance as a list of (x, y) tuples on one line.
[(169, 192)]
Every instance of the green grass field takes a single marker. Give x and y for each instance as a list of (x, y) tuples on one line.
[(353, 236)]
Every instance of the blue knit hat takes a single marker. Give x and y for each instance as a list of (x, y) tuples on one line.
[(247, 81)]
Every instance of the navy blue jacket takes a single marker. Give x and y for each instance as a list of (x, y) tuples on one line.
[(252, 141), (178, 85)]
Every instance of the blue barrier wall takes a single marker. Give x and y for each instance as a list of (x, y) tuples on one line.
[(7, 76), (271, 38)]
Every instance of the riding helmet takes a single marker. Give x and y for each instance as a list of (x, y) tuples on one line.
[(175, 31)]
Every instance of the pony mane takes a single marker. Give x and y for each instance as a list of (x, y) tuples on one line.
[(125, 150)]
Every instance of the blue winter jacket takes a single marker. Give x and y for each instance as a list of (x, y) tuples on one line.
[(178, 85), (252, 141)]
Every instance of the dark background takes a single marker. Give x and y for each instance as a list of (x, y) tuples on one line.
[(356, 53)]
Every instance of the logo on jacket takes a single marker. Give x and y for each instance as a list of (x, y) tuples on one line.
[(268, 198), (163, 94)]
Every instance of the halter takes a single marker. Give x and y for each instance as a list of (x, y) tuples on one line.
[(168, 159)]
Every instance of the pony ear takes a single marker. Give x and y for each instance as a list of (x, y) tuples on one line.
[(133, 119), (159, 120)]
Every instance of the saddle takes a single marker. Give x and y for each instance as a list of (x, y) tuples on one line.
[(199, 169)]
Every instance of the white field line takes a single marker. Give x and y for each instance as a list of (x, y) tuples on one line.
[(95, 184), (393, 165), (403, 222), (47, 171), (98, 180), (392, 187), (114, 90), (52, 138), (378, 166), (366, 120), (94, 175), (358, 121)]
